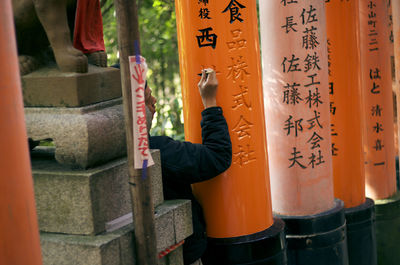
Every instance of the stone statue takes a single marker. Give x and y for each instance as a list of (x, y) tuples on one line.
[(43, 23)]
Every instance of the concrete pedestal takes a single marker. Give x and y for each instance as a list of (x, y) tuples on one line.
[(85, 215), (264, 248), (361, 234), (81, 183), (48, 87), (173, 224), (75, 201), (388, 230), (317, 239), (84, 136)]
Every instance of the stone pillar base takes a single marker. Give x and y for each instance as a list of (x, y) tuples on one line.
[(49, 87), (84, 136), (361, 234), (317, 239), (388, 230), (266, 248)]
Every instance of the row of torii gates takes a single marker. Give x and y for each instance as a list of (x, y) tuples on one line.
[(311, 123)]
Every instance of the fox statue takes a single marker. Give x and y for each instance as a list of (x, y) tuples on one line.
[(41, 24)]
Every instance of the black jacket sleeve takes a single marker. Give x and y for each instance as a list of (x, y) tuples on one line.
[(186, 162)]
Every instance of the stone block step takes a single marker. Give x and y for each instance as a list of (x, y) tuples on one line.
[(115, 248), (83, 137), (173, 224), (48, 87), (75, 201)]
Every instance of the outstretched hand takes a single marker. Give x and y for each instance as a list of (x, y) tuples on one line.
[(208, 87)]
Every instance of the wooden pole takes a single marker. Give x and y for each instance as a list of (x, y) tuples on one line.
[(142, 201), (19, 232)]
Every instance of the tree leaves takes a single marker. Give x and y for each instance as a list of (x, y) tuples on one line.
[(159, 45)]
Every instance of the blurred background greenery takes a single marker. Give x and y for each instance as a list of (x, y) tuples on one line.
[(159, 46)]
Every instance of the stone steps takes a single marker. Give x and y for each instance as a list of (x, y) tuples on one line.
[(76, 201), (85, 215), (117, 247)]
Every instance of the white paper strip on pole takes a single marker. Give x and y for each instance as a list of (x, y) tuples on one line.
[(138, 71)]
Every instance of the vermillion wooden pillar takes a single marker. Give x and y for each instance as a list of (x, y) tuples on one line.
[(387, 214), (393, 75), (347, 118), (296, 97), (389, 6), (345, 91), (19, 232), (378, 100), (396, 33), (297, 106), (223, 35)]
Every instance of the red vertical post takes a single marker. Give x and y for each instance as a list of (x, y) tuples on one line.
[(343, 31), (19, 233), (376, 79), (383, 187), (296, 96), (345, 91), (223, 35)]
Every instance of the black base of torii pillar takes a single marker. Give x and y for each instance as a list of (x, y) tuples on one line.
[(318, 239), (263, 248)]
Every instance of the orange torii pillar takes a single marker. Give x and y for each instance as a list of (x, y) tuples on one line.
[(296, 98), (395, 88), (346, 128), (378, 101), (388, 203), (223, 35), (19, 232), (394, 83), (376, 76)]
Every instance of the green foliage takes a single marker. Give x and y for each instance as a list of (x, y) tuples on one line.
[(110, 31), (160, 48)]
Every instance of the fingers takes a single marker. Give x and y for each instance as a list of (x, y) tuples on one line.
[(211, 77), (207, 72), (208, 77), (202, 78)]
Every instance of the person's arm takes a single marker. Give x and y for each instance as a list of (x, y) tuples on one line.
[(190, 163), (186, 162)]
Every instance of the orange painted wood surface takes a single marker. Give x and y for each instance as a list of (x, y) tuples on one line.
[(345, 92), (396, 33), (223, 35), (295, 76), (19, 233), (376, 76)]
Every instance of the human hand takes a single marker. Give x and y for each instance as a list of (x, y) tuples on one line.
[(208, 85)]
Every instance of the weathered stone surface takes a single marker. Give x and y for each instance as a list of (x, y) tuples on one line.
[(173, 222), (49, 87), (173, 258), (165, 231), (83, 137), (176, 257), (79, 201), (127, 246), (116, 248), (76, 201), (182, 220), (156, 178)]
